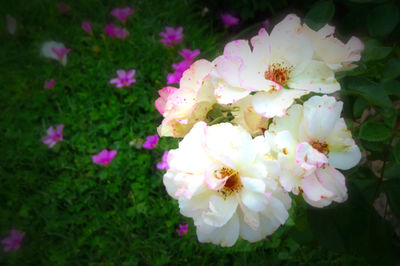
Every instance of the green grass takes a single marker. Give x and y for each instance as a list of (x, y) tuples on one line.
[(73, 211)]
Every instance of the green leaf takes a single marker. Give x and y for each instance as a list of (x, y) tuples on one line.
[(370, 91), (359, 106), (374, 50), (392, 87), (382, 20), (320, 14), (392, 69), (389, 116), (396, 152), (372, 131), (392, 171), (392, 190)]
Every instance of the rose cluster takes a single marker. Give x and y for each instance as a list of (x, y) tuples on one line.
[(250, 139)]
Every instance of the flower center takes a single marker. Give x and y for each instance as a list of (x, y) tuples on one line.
[(278, 73), (322, 147), (232, 184)]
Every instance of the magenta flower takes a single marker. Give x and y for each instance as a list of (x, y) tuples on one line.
[(13, 241), (189, 55), (171, 36), (266, 23), (124, 78), (151, 142), (104, 157), (115, 32), (87, 26), (121, 33), (122, 13), (183, 229), (63, 8), (49, 84), (229, 20), (164, 163), (60, 52), (179, 69), (53, 136), (174, 77), (110, 30)]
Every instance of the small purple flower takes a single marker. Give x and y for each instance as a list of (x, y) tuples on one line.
[(87, 26), (174, 77), (189, 55), (266, 23), (104, 157), (124, 78), (49, 84), (179, 69), (121, 33), (13, 241), (53, 136), (229, 20), (164, 163), (60, 52), (63, 8), (171, 36), (122, 13), (110, 30), (183, 229), (151, 142)]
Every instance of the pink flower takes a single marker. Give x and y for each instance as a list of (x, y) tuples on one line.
[(179, 69), (110, 30), (164, 163), (121, 33), (174, 77), (60, 52), (124, 78), (171, 36), (229, 20), (63, 8), (183, 229), (104, 157), (189, 55), (87, 26), (49, 84), (151, 142), (13, 242), (53, 136), (115, 32), (122, 13)]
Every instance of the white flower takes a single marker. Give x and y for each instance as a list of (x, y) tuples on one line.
[(279, 60), (55, 50), (312, 141), (185, 106), (222, 181), (340, 55)]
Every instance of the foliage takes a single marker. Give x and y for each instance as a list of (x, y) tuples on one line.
[(77, 212)]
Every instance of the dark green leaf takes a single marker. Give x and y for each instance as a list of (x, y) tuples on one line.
[(382, 20), (392, 87), (370, 91), (396, 152), (359, 106), (392, 190), (372, 131), (389, 116), (392, 69), (374, 50), (392, 171), (320, 14)]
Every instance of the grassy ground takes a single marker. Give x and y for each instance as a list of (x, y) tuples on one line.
[(73, 211)]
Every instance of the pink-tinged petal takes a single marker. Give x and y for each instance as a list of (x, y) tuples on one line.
[(121, 73), (115, 81), (131, 73), (161, 101), (60, 129), (334, 181), (313, 189), (228, 69), (87, 26), (308, 157)]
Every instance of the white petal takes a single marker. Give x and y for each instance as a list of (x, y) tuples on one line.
[(275, 103), (291, 121), (345, 159), (226, 94), (220, 210), (313, 189), (253, 184), (253, 200), (316, 77), (225, 236)]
